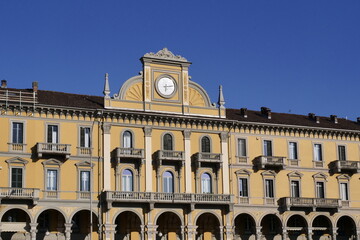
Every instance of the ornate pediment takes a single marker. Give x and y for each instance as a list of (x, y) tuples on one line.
[(242, 172), (320, 175), (52, 162), (295, 174), (84, 164), (166, 55), (269, 173), (16, 161)]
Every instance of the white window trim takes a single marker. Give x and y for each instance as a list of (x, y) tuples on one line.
[(79, 139), (173, 141), (132, 137), (238, 157), (337, 151), (343, 178), (243, 173), (17, 162), (120, 175), (11, 142), (52, 164), (46, 131), (200, 142), (269, 175), (263, 146), (315, 162), (211, 182), (295, 176)]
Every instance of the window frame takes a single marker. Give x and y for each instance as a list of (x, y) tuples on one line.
[(57, 179), (132, 180), (344, 179), (269, 175), (11, 176), (296, 150), (52, 164), (132, 139), (201, 143), (295, 176), (11, 136), (80, 137), (242, 159), (317, 193), (17, 162), (210, 182), (163, 141), (318, 163), (47, 131), (338, 151), (163, 181), (265, 151)]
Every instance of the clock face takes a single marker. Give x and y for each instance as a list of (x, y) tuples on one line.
[(166, 86)]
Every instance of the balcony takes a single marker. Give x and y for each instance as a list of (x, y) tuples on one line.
[(84, 151), (17, 147), (314, 203), (20, 194), (265, 162), (53, 149), (340, 166), (170, 155), (208, 157), (129, 153), (156, 197)]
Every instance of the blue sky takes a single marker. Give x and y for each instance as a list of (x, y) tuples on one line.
[(290, 56)]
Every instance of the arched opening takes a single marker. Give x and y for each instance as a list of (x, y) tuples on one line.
[(296, 228), (169, 227), (167, 142), (245, 227), (15, 224), (168, 182), (81, 226), (127, 181), (205, 144), (271, 227), (127, 226), (127, 139), (346, 228), (321, 228), (206, 183), (208, 227), (50, 224)]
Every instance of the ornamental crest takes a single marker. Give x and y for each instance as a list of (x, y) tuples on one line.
[(165, 54)]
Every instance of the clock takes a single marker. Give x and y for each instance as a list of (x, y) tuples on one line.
[(166, 86)]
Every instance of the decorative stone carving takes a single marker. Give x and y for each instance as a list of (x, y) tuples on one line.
[(223, 137), (165, 54), (106, 128), (147, 131), (187, 134)]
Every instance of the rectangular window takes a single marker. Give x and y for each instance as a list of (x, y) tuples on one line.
[(241, 147), (85, 181), (293, 154), (342, 152), (16, 177), (295, 188), (51, 180), (85, 137), (53, 134), (320, 190), (17, 132), (318, 152), (269, 188), (243, 187), (344, 194), (267, 148)]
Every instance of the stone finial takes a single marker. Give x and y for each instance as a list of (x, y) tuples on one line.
[(106, 86), (165, 54), (221, 100), (35, 86)]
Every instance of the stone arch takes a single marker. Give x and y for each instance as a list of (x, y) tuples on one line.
[(258, 223), (296, 226), (51, 208), (5, 210), (322, 227), (80, 229), (211, 212), (127, 210), (127, 85), (244, 226), (346, 227), (285, 221), (271, 226), (208, 226), (50, 223), (248, 213), (128, 225), (78, 210), (172, 211), (170, 225)]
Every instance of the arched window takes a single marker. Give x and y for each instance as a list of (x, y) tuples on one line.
[(127, 180), (206, 183), (127, 139), (167, 142), (205, 144), (168, 182)]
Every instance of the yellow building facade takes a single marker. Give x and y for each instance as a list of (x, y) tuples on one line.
[(158, 160)]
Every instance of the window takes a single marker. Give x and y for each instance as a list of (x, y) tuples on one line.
[(243, 187), (85, 181), (269, 188), (53, 134), (318, 152), (205, 144), (295, 188), (344, 194), (293, 153), (127, 139), (127, 181), (241, 147), (17, 132), (206, 183), (51, 180), (342, 152), (168, 182), (16, 177), (320, 190), (167, 142), (85, 137), (267, 148)]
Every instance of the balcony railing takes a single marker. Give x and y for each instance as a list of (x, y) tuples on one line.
[(331, 203), (345, 166), (20, 193), (83, 195), (85, 151), (51, 194), (170, 155), (263, 162), (16, 147), (156, 197), (129, 153), (243, 200), (208, 157), (53, 149)]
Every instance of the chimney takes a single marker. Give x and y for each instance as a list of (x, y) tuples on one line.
[(266, 111), (35, 86), (358, 120), (334, 118), (243, 112), (3, 84), (312, 116)]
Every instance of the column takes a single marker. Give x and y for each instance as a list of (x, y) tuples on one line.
[(107, 157), (151, 232), (229, 230), (142, 233), (191, 232), (284, 234), (187, 145), (310, 233), (148, 159), (182, 237), (358, 235), (334, 233), (33, 230), (258, 232), (68, 231), (109, 231), (221, 232), (225, 163)]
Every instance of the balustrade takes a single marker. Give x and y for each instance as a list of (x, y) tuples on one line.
[(53, 148), (314, 203), (263, 162)]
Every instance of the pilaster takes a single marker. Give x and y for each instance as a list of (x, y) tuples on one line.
[(187, 144), (68, 231), (151, 232), (107, 156), (191, 232), (148, 159), (225, 163), (33, 230), (109, 231)]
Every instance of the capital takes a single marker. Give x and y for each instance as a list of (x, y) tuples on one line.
[(147, 131), (106, 128)]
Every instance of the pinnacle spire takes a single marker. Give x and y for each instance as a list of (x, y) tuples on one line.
[(106, 86), (221, 100)]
